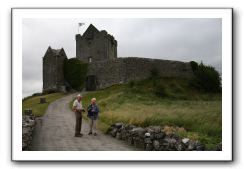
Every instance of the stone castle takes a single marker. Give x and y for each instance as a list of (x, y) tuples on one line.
[(99, 50)]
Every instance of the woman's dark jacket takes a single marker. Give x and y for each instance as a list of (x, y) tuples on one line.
[(95, 112)]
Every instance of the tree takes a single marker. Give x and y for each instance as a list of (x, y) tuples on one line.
[(205, 78)]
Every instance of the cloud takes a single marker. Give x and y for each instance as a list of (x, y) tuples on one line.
[(172, 39)]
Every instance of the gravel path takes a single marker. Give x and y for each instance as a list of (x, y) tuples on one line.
[(55, 132)]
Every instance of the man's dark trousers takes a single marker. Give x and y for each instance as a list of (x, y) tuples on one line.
[(78, 123)]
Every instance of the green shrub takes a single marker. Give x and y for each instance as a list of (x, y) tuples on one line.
[(205, 78), (154, 76), (75, 73), (154, 73), (194, 65), (131, 83), (160, 90)]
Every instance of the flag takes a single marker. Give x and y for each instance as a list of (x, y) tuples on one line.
[(80, 24)]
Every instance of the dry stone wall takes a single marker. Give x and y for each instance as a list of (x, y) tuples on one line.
[(28, 125), (153, 138)]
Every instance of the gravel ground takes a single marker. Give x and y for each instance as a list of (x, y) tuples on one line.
[(55, 132)]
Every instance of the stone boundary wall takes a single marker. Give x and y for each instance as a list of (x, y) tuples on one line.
[(28, 125), (123, 70), (153, 138)]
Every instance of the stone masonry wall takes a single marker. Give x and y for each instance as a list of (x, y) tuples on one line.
[(28, 125), (123, 70), (154, 138), (100, 46), (53, 78)]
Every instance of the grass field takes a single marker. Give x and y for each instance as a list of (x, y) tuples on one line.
[(37, 108), (169, 102)]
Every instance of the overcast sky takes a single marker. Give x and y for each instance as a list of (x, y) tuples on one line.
[(171, 39)]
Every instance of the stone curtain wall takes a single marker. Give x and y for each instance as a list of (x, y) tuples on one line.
[(123, 70), (107, 72)]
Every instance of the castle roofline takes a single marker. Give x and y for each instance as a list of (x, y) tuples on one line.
[(91, 30), (55, 51)]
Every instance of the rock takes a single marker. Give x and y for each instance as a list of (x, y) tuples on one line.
[(152, 138), (176, 137), (118, 136), (185, 140), (43, 100), (200, 147), (152, 135), (28, 124), (156, 129), (149, 147), (139, 143), (219, 147), (179, 147), (149, 130), (130, 140), (129, 127), (167, 144), (123, 135), (117, 125), (170, 140), (156, 145), (147, 140), (138, 131), (113, 132), (147, 135), (31, 122), (159, 135), (191, 146)]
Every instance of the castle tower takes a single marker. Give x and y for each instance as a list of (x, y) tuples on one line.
[(53, 78), (95, 45)]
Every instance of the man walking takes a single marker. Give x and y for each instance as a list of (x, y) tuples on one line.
[(77, 108), (93, 111)]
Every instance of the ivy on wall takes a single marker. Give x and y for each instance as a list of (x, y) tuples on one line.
[(75, 73)]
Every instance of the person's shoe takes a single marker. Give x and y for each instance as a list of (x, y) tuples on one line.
[(90, 133), (78, 135), (95, 134)]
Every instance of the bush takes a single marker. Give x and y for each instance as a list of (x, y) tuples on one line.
[(205, 78), (75, 73), (131, 83), (160, 90), (154, 74), (194, 65)]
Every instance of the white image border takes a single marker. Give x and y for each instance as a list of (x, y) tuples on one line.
[(18, 155)]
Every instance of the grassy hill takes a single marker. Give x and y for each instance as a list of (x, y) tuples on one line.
[(38, 109), (164, 102)]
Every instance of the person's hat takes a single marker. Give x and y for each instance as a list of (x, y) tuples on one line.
[(79, 95)]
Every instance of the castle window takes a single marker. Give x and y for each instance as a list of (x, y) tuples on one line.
[(90, 59)]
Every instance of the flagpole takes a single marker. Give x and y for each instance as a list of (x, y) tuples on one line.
[(79, 25)]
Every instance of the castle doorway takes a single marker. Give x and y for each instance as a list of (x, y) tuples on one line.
[(91, 83), (90, 59)]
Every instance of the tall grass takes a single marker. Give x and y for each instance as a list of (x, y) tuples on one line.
[(199, 113)]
